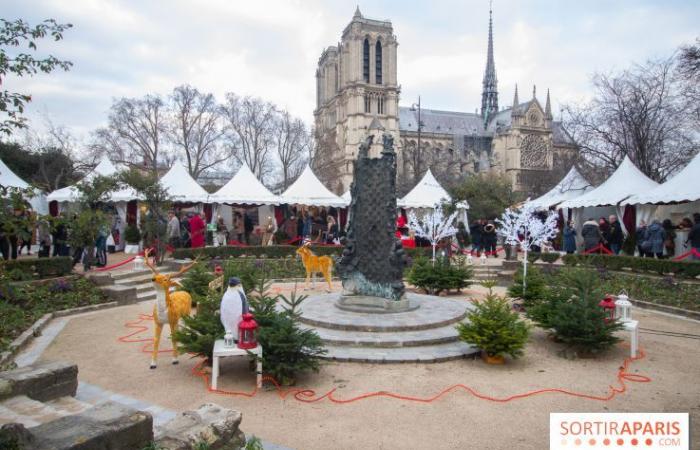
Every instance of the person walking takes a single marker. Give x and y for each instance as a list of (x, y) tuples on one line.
[(615, 235), (654, 239), (197, 230), (462, 237), (44, 238), (173, 230), (591, 234), (670, 242), (489, 239), (639, 237), (569, 238), (694, 237), (475, 230), (331, 230)]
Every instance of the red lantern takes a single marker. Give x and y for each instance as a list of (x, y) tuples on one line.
[(247, 338), (608, 304), (218, 270)]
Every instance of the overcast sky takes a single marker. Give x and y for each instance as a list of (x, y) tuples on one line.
[(270, 49)]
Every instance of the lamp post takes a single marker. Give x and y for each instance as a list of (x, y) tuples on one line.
[(417, 157)]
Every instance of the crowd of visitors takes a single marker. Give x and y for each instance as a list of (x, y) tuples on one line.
[(484, 237)]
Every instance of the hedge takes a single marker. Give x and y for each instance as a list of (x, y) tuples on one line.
[(38, 268), (682, 269), (271, 251)]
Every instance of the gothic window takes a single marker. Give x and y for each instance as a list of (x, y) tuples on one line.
[(337, 76), (365, 61), (378, 63), (533, 152), (368, 103), (380, 105)]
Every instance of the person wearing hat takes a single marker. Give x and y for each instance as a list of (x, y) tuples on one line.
[(233, 305)]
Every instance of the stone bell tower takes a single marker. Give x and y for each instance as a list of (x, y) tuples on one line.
[(355, 86)]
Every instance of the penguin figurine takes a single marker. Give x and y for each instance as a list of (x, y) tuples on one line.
[(233, 305)]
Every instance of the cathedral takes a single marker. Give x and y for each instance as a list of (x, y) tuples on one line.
[(357, 94)]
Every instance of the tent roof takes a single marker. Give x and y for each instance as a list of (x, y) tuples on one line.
[(627, 180), (347, 196), (244, 188), (426, 194), (104, 168), (308, 190), (683, 187), (182, 187), (9, 179), (571, 186)]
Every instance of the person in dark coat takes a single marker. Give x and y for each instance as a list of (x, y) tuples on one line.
[(569, 238), (462, 236), (694, 237), (639, 237), (489, 238), (604, 228), (591, 234), (654, 239), (615, 235), (475, 230), (670, 242)]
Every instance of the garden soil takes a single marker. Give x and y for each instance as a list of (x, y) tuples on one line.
[(457, 420)]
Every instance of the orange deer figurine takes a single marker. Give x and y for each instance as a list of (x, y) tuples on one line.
[(315, 264), (169, 306)]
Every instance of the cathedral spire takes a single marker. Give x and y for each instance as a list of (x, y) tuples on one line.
[(548, 108), (515, 111), (358, 14), (489, 94)]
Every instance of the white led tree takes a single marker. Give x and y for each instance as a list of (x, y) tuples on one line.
[(433, 226), (522, 227)]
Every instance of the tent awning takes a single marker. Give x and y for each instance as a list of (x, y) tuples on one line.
[(626, 181), (308, 190), (426, 194), (182, 187), (683, 187), (105, 168), (244, 189), (573, 185)]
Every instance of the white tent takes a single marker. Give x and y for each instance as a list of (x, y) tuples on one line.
[(347, 196), (10, 179), (182, 187), (245, 189), (426, 194), (105, 168), (626, 181), (684, 187), (573, 185), (308, 190)]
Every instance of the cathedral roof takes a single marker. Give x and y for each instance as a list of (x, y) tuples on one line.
[(435, 121)]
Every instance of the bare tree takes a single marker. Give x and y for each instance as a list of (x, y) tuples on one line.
[(326, 159), (195, 128), (292, 141), (136, 132), (638, 113), (250, 125), (689, 61)]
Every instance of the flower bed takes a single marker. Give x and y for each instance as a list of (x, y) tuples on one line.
[(21, 306), (682, 269)]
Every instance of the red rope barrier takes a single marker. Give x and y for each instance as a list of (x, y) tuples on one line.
[(114, 266), (309, 396), (690, 252), (600, 248)]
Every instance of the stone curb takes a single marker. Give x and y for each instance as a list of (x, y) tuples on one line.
[(667, 309)]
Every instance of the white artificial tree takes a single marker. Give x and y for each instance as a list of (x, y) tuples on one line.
[(433, 226), (524, 228)]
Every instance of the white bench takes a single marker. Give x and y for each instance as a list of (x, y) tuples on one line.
[(221, 351)]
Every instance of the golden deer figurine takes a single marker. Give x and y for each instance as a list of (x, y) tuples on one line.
[(315, 264), (169, 306)]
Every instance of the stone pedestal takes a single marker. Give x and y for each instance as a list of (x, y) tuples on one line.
[(369, 304)]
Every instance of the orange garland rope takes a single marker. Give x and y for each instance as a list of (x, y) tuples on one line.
[(310, 396)]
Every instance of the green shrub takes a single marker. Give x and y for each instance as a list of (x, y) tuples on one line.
[(550, 257), (495, 328), (439, 276), (196, 281), (533, 256), (273, 251), (37, 268), (248, 269), (199, 332), (535, 287), (683, 269), (571, 312), (132, 235)]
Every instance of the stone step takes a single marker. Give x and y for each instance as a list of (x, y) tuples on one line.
[(146, 295), (434, 312), (69, 405), (123, 274), (28, 412), (433, 336), (423, 354), (138, 279)]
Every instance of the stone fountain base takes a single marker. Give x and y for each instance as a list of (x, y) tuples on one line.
[(369, 304)]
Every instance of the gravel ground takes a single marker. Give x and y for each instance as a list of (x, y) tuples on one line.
[(457, 420)]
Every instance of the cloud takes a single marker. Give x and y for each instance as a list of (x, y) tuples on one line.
[(270, 49)]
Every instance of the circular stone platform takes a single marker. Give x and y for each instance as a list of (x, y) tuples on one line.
[(426, 333)]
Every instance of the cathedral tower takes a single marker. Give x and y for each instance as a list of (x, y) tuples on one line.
[(356, 85), (489, 93)]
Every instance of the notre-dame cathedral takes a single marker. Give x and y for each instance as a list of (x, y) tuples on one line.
[(357, 94)]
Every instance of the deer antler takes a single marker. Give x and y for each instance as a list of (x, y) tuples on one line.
[(147, 261), (185, 268)]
